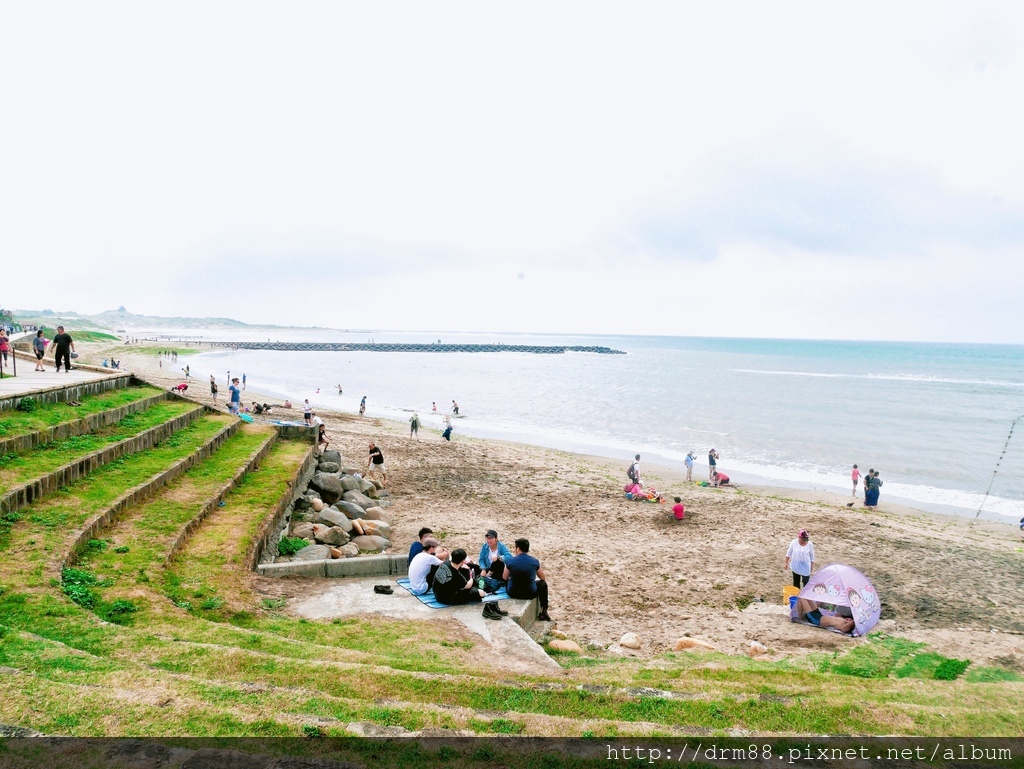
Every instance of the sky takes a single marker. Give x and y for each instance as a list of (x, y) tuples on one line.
[(804, 170)]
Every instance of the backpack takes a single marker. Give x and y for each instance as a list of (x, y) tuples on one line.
[(631, 473)]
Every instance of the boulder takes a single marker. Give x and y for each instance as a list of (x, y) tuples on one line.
[(313, 553), (376, 527), (370, 543), (319, 530), (357, 527), (329, 487), (686, 644), (328, 467), (330, 516), (331, 456), (358, 498), (317, 504), (367, 486), (756, 649), (337, 552), (349, 482), (302, 530), (565, 645), (378, 514), (351, 550), (557, 634), (630, 641), (333, 536), (302, 503), (350, 509)]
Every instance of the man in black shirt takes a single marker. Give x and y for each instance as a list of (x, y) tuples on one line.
[(453, 586), (375, 463), (63, 347)]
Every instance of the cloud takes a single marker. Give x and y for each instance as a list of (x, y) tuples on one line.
[(816, 196)]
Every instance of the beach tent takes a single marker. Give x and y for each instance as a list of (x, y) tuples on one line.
[(845, 586)]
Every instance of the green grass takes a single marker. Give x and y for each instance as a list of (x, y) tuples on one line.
[(45, 415)]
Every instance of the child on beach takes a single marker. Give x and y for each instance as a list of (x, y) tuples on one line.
[(678, 509)]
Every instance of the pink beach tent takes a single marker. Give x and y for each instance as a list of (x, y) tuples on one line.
[(842, 585)]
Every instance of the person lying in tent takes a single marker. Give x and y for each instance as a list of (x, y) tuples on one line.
[(810, 611)]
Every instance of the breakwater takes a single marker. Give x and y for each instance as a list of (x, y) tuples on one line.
[(413, 347)]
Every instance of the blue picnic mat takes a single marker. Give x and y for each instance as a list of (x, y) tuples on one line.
[(429, 600)]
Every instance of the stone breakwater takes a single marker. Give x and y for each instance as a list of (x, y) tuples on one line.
[(416, 347)]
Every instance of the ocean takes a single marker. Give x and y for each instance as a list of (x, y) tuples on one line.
[(932, 418)]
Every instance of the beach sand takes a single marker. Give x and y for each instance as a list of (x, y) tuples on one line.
[(617, 566)]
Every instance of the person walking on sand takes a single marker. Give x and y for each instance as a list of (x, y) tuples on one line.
[(800, 558), (712, 464), (872, 488), (455, 408), (414, 425), (362, 406), (243, 380), (213, 389), (39, 347), (307, 412), (375, 463), (63, 345), (855, 475), (633, 472), (339, 389), (433, 407), (235, 404), (689, 465)]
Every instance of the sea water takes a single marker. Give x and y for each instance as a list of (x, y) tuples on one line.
[(932, 418)]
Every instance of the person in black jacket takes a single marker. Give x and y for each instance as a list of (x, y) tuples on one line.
[(453, 584)]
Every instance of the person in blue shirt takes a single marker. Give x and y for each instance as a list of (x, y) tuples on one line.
[(525, 578), (417, 546), (236, 397), (493, 550)]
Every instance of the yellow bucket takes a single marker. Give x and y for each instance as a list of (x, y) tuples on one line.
[(788, 591)]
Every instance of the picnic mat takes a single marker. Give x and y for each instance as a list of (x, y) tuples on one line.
[(429, 600)]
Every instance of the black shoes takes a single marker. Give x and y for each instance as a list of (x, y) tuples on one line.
[(493, 611), (543, 617), (383, 589)]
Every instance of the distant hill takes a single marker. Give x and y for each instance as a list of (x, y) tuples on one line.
[(112, 320)]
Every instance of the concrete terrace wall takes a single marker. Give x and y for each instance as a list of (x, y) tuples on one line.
[(141, 493), (23, 496), (63, 394), (361, 566), (189, 529), (282, 510), (78, 427)]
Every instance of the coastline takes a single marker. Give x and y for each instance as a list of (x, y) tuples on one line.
[(618, 566)]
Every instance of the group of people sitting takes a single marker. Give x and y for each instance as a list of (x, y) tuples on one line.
[(111, 363), (456, 580)]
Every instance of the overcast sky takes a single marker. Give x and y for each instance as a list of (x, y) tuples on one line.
[(814, 170)]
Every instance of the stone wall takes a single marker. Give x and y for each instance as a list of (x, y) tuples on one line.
[(364, 566), (82, 426), (134, 496), (23, 496), (282, 511)]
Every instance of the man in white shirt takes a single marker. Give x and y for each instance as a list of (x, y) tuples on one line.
[(424, 566)]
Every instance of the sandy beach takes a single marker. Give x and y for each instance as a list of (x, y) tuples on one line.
[(617, 566)]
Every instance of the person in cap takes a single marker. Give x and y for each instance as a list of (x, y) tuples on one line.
[(800, 558), (494, 555), (690, 456)]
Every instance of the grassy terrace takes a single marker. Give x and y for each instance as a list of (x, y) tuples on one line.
[(13, 423), (16, 469)]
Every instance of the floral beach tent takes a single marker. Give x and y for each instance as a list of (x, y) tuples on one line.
[(845, 586)]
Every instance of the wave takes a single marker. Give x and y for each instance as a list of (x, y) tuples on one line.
[(885, 377)]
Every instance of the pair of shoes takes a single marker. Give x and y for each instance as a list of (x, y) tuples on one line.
[(497, 608), (543, 617), (491, 611), (383, 589)]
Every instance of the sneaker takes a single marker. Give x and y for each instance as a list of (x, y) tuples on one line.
[(543, 617)]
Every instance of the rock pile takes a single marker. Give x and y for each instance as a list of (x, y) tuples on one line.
[(340, 514)]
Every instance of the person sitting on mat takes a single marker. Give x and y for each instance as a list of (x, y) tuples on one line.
[(424, 566), (810, 611), (453, 584)]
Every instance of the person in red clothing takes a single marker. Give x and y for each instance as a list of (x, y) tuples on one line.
[(678, 509)]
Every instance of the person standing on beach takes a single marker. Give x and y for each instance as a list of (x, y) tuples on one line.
[(63, 345), (800, 558), (712, 464), (339, 389), (243, 380), (235, 404), (375, 463), (307, 412), (414, 425), (689, 465), (213, 389), (872, 488), (855, 476), (633, 472), (362, 406), (39, 346), (433, 407), (455, 408)]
